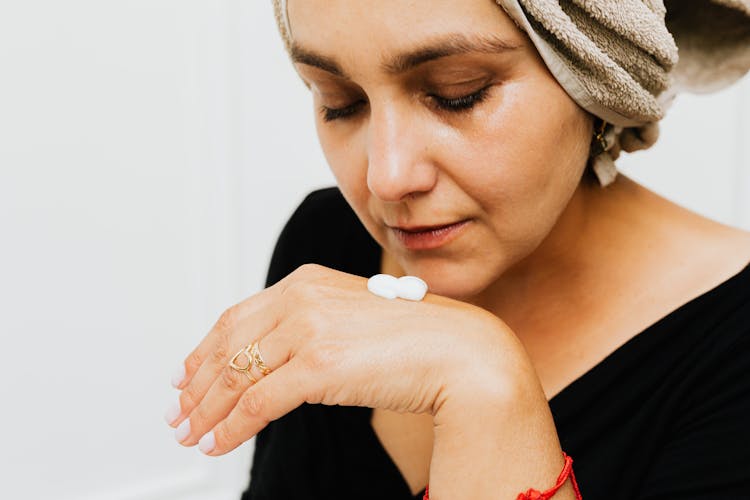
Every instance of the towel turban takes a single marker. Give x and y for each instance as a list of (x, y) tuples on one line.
[(618, 59)]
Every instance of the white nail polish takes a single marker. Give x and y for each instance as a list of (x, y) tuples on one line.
[(182, 431), (172, 412), (178, 376), (207, 443)]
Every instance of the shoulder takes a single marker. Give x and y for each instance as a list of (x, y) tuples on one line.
[(711, 336), (322, 222), (717, 258), (316, 206), (323, 229), (683, 255), (325, 202)]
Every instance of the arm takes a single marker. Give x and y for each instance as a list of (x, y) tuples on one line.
[(495, 436), (341, 345)]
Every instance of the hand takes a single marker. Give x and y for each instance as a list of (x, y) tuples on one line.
[(329, 340)]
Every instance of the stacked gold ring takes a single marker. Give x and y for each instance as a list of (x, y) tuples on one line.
[(252, 353), (258, 359)]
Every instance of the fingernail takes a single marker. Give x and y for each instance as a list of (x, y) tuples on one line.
[(178, 377), (173, 412), (182, 431), (207, 443)]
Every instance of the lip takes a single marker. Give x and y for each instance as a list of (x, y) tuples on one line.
[(429, 237)]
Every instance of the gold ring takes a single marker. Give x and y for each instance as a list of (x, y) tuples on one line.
[(245, 351), (258, 359)]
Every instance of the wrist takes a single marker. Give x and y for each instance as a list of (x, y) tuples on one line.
[(566, 484), (495, 450), (494, 417), (488, 373)]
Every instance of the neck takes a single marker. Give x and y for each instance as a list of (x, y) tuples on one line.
[(578, 261), (593, 233)]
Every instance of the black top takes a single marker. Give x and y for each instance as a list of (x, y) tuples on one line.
[(663, 416)]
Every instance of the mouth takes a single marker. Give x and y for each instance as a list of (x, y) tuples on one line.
[(428, 237), (422, 229)]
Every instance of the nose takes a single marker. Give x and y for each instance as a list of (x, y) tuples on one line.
[(398, 154)]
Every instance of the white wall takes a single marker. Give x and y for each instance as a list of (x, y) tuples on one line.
[(150, 151), (702, 158), (119, 226)]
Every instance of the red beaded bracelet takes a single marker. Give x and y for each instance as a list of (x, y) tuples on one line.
[(533, 494)]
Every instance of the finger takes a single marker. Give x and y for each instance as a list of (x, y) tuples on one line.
[(271, 398), (227, 322), (240, 312), (226, 390), (254, 326)]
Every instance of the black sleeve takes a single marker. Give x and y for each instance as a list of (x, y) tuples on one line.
[(293, 245), (322, 230), (292, 249), (707, 454)]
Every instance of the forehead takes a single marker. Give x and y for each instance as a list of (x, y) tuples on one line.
[(352, 29)]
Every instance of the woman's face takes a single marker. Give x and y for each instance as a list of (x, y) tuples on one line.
[(431, 113)]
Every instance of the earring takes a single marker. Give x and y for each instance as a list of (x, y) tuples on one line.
[(602, 162)]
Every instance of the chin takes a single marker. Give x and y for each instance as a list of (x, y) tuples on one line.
[(456, 281)]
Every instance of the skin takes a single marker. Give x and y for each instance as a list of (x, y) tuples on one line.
[(511, 164), (515, 309)]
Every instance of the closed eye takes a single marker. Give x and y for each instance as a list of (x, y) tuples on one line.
[(452, 104), (331, 114), (462, 103)]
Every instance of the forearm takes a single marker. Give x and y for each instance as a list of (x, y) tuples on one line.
[(496, 446)]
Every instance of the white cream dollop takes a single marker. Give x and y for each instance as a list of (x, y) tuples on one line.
[(390, 287)]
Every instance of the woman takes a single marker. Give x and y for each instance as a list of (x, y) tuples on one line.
[(571, 311)]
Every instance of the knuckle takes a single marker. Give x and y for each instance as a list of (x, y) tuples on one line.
[(309, 269), (313, 322), (189, 397), (227, 320), (198, 416), (224, 435), (301, 279), (252, 405), (193, 362), (295, 291), (321, 358), (230, 380), (220, 354)]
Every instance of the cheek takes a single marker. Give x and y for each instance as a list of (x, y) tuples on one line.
[(519, 160), (527, 154), (347, 161), (343, 154)]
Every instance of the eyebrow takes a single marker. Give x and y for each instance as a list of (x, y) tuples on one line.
[(444, 46)]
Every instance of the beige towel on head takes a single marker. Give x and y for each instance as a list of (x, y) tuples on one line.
[(621, 53), (612, 56), (714, 42), (618, 59)]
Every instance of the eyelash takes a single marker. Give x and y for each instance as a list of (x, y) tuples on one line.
[(453, 105)]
